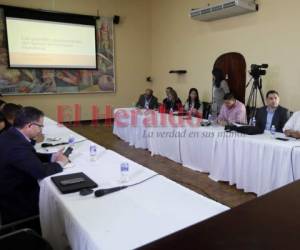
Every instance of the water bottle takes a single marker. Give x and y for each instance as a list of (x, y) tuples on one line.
[(253, 122), (93, 152), (273, 130), (71, 141), (212, 119), (124, 168), (209, 118)]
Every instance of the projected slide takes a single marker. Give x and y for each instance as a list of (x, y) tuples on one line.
[(45, 44)]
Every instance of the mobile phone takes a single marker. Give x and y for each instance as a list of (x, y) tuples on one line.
[(282, 139), (68, 151)]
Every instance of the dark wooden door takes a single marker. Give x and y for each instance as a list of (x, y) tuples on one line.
[(234, 67)]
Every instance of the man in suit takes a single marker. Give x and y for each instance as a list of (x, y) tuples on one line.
[(147, 100), (272, 114), (21, 166)]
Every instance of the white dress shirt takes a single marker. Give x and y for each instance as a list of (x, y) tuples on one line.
[(293, 123)]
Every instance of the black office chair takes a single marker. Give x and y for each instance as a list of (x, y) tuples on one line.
[(32, 222), (23, 239), (206, 109)]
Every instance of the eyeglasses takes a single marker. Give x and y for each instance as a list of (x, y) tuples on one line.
[(36, 124)]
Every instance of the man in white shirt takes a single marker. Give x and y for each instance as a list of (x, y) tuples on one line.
[(292, 127)]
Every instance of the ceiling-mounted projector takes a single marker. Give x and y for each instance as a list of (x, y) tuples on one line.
[(224, 10)]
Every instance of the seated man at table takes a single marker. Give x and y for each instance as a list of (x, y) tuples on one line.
[(292, 127), (232, 111), (2, 103), (272, 114), (9, 110), (21, 166), (147, 100), (3, 123)]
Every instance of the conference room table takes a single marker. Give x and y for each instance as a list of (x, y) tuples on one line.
[(127, 219), (254, 163), (270, 222)]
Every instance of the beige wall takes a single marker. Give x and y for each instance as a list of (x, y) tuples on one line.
[(271, 36), (158, 35), (132, 50)]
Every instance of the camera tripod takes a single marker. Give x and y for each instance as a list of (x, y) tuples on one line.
[(252, 100)]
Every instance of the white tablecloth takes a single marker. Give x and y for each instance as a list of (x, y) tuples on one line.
[(296, 162), (123, 220), (164, 141), (131, 129), (256, 163), (196, 148), (61, 134)]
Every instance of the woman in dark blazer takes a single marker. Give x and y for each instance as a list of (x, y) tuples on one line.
[(172, 103)]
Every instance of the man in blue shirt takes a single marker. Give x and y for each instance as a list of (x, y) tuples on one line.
[(270, 115)]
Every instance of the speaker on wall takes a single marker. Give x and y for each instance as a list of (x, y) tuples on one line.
[(116, 19)]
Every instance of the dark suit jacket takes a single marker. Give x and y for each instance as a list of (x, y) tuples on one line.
[(20, 169), (152, 105), (176, 106), (280, 117)]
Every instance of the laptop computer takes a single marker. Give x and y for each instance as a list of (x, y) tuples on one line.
[(72, 183)]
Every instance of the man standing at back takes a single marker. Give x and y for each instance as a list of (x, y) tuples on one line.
[(21, 166)]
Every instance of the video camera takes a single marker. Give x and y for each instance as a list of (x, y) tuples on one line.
[(258, 70)]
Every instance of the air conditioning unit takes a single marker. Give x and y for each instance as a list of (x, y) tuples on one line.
[(224, 10)]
